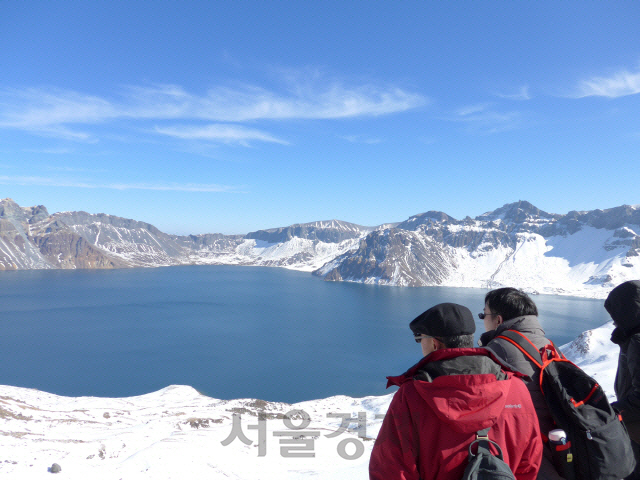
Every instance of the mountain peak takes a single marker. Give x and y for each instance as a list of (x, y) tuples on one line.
[(516, 212), (10, 209), (431, 216)]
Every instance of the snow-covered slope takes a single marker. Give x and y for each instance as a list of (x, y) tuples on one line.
[(304, 247), (177, 433)]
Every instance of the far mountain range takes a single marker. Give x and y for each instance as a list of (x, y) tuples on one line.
[(580, 253)]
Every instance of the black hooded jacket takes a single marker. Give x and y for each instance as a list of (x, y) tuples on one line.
[(623, 304)]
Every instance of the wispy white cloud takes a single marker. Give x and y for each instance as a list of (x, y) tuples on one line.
[(70, 115), (218, 132), (49, 112), (522, 94), (361, 139), (248, 103), (481, 118), (52, 168), (51, 151), (617, 85), (34, 107), (57, 182), (187, 187), (471, 110), (55, 131)]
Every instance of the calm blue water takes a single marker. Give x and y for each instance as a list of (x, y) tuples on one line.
[(230, 332)]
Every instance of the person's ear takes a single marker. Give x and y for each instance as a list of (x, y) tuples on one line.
[(499, 320), (437, 344)]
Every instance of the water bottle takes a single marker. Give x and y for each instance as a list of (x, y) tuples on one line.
[(562, 454)]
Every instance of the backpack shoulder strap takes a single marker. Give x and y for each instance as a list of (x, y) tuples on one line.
[(484, 463), (521, 341), (484, 444)]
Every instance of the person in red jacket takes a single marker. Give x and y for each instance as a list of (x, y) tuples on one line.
[(446, 398)]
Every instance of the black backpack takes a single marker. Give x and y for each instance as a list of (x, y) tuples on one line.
[(484, 465), (598, 442)]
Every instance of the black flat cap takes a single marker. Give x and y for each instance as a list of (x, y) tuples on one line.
[(444, 320)]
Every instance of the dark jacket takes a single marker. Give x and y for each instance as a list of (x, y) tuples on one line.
[(442, 402), (623, 304), (510, 354)]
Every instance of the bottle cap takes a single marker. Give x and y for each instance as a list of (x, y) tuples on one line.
[(557, 435)]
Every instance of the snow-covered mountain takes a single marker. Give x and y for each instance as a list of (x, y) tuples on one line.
[(178, 433), (579, 253), (30, 238), (303, 247)]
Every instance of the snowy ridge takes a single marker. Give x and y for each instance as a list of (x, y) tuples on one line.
[(177, 432), (580, 253)]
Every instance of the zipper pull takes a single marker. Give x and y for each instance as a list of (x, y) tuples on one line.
[(589, 435)]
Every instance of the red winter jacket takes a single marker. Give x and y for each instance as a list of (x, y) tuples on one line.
[(430, 423)]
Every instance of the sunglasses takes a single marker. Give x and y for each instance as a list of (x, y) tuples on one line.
[(419, 336), (482, 315)]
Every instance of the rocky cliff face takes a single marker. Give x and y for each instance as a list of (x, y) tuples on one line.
[(580, 253), (62, 248), (33, 239), (133, 243), (393, 256)]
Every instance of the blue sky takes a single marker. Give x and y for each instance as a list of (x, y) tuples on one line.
[(210, 116)]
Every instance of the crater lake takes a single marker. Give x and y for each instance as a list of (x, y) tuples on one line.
[(228, 331)]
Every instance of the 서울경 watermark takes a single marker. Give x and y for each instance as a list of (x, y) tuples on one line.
[(296, 440)]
